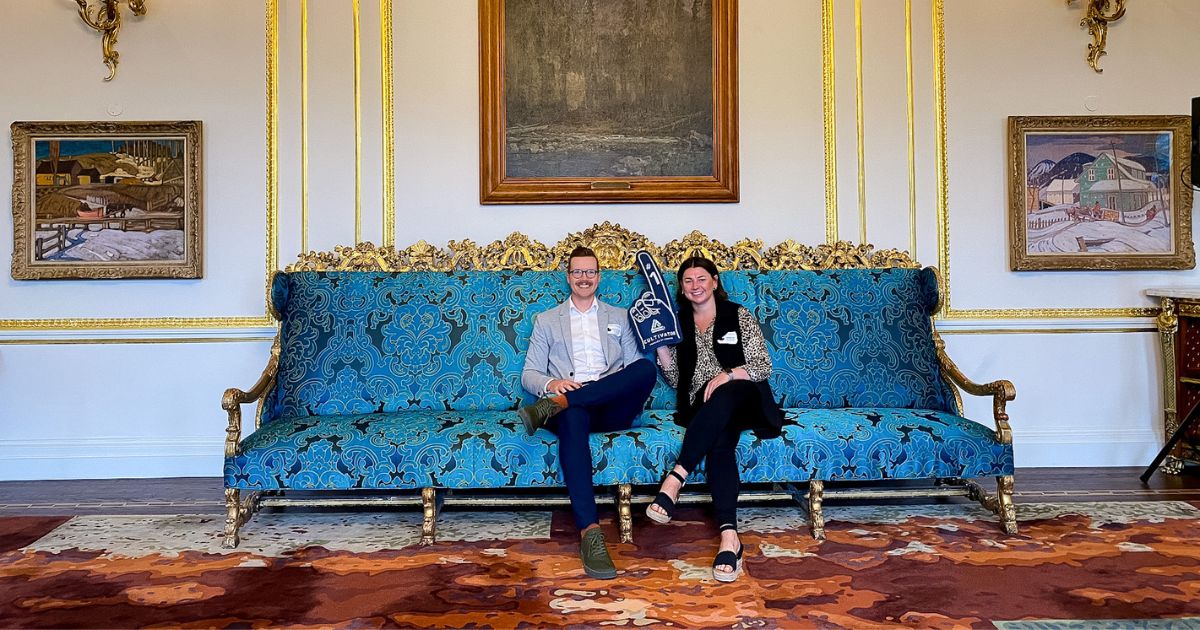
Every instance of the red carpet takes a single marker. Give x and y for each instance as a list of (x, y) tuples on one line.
[(879, 566)]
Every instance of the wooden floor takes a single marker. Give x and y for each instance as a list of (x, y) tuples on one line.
[(203, 495)]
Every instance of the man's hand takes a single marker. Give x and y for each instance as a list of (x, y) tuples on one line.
[(714, 383), (562, 386)]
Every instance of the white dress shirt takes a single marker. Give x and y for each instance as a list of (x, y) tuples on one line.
[(587, 350)]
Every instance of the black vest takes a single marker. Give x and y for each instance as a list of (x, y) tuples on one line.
[(729, 355)]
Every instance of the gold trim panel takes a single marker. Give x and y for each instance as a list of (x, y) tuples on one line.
[(271, 20), (115, 323), (615, 247), (829, 107), (859, 122), (83, 341), (389, 125), (1044, 313), (1045, 331)]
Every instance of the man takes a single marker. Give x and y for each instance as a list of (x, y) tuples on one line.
[(584, 363)]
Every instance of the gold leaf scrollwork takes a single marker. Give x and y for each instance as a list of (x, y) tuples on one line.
[(105, 18), (614, 245), (697, 244), (1099, 14)]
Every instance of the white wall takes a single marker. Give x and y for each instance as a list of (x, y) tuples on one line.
[(141, 398)]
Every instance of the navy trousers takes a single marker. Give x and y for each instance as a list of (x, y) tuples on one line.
[(609, 404)]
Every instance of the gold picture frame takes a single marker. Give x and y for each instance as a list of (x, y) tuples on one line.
[(581, 118), (1099, 193), (107, 200)]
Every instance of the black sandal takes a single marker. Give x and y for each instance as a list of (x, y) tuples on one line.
[(728, 559), (663, 501)]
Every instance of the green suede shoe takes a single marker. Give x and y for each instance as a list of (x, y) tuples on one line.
[(594, 553), (535, 416)]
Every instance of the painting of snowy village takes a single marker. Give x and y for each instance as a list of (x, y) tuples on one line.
[(1099, 197), (121, 203)]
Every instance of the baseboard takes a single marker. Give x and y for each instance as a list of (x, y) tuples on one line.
[(1092, 448), (111, 458)]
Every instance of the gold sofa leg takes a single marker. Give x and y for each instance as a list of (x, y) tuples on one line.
[(1000, 504), (233, 518), (429, 507), (1004, 504), (816, 518), (625, 511)]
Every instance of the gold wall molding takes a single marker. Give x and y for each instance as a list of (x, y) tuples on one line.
[(829, 107), (949, 313), (1043, 331), (271, 11), (860, 123), (389, 123), (912, 128), (122, 341)]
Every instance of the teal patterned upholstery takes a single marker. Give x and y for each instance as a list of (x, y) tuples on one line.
[(410, 380)]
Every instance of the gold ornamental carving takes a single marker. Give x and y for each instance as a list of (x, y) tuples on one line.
[(105, 18), (614, 245), (1099, 14)]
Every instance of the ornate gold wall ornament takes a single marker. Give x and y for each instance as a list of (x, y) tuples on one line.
[(1099, 14), (106, 18)]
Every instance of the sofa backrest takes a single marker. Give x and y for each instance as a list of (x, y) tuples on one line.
[(362, 342), (847, 337)]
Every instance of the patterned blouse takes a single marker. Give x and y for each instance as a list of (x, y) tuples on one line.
[(754, 346)]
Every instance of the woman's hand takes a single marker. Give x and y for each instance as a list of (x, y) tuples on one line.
[(715, 382), (562, 386)]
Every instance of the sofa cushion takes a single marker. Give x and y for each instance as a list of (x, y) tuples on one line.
[(446, 449), (489, 449)]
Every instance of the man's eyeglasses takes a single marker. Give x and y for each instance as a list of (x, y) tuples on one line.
[(584, 273)]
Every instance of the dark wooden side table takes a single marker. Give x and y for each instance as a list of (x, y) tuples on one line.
[(1179, 334)]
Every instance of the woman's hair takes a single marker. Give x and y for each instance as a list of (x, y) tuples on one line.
[(705, 264)]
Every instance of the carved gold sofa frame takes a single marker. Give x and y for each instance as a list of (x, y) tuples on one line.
[(616, 248)]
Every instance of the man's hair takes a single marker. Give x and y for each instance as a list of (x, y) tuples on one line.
[(581, 251)]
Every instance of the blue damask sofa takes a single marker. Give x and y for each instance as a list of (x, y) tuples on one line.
[(409, 380)]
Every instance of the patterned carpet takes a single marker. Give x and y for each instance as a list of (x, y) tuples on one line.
[(923, 566)]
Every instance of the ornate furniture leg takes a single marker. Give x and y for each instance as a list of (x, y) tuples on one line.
[(625, 511), (816, 518), (237, 512), (233, 518), (1004, 504), (1168, 327), (429, 525), (1001, 392), (1000, 504)]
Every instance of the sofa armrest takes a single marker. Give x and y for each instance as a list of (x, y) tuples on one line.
[(234, 398), (1001, 391)]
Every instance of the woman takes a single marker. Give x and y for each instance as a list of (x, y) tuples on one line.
[(720, 372)]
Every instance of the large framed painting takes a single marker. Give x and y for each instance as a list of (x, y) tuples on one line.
[(107, 200), (607, 101), (1089, 193)]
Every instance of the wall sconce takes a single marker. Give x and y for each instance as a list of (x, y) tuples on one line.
[(106, 18), (1099, 14)]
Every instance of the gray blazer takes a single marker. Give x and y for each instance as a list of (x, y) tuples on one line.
[(550, 346)]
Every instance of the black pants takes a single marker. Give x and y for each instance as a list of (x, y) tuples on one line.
[(713, 434)]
